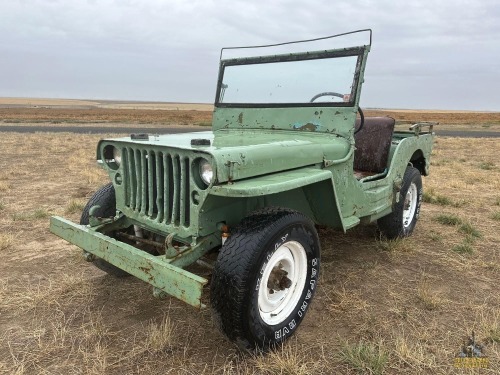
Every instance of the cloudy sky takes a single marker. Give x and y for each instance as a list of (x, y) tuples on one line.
[(442, 54)]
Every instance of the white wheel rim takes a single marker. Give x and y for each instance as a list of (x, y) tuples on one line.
[(410, 205), (276, 305)]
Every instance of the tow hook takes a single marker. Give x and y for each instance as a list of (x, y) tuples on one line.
[(95, 221)]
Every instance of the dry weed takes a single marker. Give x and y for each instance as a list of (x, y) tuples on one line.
[(489, 325), (4, 289), (37, 214), (288, 359), (396, 246), (93, 176), (4, 186), (411, 353), (343, 300), (6, 240), (448, 219), (160, 336), (427, 294), (464, 248), (75, 206), (365, 357)]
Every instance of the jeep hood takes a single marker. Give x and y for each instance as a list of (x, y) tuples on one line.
[(240, 154)]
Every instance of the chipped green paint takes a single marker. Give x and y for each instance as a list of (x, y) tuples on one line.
[(297, 156)]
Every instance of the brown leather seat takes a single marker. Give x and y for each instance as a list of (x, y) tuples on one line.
[(373, 143)]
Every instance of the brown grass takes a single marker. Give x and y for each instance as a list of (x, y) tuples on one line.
[(47, 103), (392, 307), (100, 116)]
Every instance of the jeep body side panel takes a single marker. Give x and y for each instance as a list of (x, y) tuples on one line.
[(334, 120), (373, 199)]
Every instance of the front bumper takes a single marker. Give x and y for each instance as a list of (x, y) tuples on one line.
[(154, 270)]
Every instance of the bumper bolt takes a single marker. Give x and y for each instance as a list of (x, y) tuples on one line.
[(158, 293), (88, 256)]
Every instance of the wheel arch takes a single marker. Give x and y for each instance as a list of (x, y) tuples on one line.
[(318, 201), (309, 191), (419, 161)]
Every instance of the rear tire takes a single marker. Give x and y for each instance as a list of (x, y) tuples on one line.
[(105, 198), (265, 278), (401, 222)]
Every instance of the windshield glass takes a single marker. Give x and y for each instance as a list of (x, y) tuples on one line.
[(299, 81)]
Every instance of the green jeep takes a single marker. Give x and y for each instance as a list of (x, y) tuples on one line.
[(287, 151)]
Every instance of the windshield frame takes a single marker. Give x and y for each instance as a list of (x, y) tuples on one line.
[(316, 55)]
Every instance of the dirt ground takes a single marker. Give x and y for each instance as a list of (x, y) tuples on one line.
[(382, 307)]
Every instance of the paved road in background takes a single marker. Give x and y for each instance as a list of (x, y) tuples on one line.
[(174, 130)]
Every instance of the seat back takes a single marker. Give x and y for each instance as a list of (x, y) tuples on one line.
[(373, 143)]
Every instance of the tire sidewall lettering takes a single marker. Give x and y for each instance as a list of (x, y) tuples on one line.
[(284, 329), (302, 306), (419, 203)]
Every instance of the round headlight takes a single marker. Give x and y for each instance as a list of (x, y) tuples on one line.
[(112, 156), (117, 155), (206, 172)]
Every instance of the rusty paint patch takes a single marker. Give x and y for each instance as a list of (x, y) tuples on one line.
[(310, 127), (147, 271)]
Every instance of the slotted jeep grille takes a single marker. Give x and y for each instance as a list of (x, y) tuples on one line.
[(157, 185)]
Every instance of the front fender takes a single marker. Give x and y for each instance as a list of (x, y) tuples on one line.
[(307, 190)]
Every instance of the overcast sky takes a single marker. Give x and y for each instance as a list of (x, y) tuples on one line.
[(425, 54)]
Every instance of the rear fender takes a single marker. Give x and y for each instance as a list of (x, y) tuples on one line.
[(409, 151)]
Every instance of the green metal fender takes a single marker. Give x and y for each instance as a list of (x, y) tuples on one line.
[(308, 190)]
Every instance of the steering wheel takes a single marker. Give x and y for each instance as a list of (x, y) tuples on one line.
[(331, 93), (328, 93)]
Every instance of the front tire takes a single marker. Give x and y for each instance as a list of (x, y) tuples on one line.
[(401, 222), (105, 198), (265, 278)]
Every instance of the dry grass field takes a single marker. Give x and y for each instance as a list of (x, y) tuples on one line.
[(382, 307)]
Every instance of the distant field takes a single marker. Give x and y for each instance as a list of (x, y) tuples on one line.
[(96, 112), (109, 104)]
